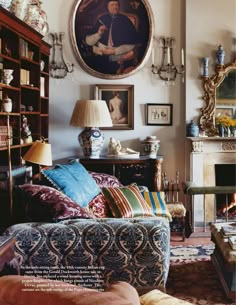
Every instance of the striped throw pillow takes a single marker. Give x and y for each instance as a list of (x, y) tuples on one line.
[(127, 202), (156, 201)]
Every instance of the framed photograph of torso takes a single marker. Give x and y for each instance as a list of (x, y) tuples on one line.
[(112, 39)]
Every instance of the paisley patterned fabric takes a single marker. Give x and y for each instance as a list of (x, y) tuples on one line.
[(105, 180), (131, 250), (98, 207), (44, 203)]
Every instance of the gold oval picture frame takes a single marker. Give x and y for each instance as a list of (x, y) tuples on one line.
[(111, 39)]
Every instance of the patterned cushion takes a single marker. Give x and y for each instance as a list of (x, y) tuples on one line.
[(155, 297), (74, 181), (44, 203), (105, 180), (98, 207), (127, 202), (156, 201)]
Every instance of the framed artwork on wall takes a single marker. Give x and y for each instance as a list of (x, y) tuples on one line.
[(159, 114), (111, 39), (120, 102)]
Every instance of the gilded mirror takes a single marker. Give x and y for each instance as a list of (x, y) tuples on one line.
[(219, 97)]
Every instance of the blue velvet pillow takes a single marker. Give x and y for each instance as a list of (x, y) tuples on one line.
[(73, 180)]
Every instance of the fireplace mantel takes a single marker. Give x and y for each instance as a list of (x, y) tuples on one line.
[(213, 144), (206, 152)]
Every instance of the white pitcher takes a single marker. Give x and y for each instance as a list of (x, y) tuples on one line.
[(20, 8), (6, 4), (7, 76)]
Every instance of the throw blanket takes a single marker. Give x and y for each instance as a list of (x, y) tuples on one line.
[(25, 290)]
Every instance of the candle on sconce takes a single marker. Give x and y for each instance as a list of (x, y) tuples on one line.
[(168, 55), (182, 57)]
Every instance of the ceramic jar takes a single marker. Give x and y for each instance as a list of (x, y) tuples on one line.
[(220, 55), (7, 76), (205, 62), (192, 129), (36, 17), (6, 4), (20, 8), (6, 104), (150, 146)]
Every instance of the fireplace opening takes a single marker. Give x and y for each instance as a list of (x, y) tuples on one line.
[(225, 175)]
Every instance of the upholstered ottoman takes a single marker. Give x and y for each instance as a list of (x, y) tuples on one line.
[(224, 260)]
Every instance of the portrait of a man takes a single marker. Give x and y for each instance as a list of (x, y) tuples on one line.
[(111, 36)]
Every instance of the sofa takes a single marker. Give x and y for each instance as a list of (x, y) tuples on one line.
[(94, 243)]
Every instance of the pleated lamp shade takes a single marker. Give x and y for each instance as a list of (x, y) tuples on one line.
[(91, 114), (39, 153)]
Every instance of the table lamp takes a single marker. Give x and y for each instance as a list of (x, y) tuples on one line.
[(91, 114), (39, 153)]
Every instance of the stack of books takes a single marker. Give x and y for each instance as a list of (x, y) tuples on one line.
[(228, 229), (232, 242)]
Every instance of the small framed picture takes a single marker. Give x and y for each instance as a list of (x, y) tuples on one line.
[(229, 112), (159, 114), (120, 102)]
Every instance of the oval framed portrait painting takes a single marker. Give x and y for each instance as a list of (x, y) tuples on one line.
[(112, 39)]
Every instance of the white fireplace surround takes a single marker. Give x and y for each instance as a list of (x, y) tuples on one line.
[(206, 152)]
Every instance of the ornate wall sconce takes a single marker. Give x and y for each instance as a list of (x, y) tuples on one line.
[(58, 67), (167, 70)]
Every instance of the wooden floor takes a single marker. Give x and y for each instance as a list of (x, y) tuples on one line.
[(176, 240)]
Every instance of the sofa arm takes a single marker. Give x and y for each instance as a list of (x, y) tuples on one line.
[(133, 250)]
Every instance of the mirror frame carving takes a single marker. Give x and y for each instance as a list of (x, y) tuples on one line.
[(207, 119)]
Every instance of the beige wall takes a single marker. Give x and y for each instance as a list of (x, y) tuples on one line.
[(207, 24)]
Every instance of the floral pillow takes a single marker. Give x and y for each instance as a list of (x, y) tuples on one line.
[(98, 207), (44, 203)]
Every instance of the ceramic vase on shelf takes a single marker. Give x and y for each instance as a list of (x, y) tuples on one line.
[(150, 146), (7, 76), (192, 129), (19, 8), (6, 4), (36, 17), (205, 62), (6, 104), (221, 131), (220, 55)]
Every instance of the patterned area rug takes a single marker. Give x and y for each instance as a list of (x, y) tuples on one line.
[(193, 278)]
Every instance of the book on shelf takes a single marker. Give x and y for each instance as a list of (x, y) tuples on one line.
[(5, 239), (20, 174), (229, 229), (232, 242), (42, 86), (16, 170)]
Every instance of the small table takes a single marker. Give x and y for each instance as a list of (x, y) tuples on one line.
[(224, 260), (6, 250)]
